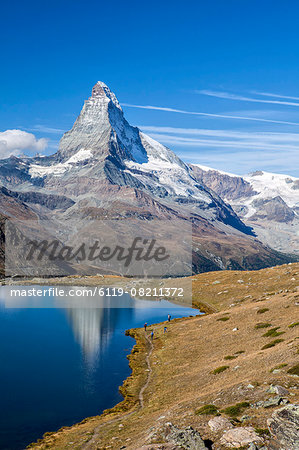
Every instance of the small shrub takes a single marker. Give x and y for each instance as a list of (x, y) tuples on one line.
[(272, 343), (280, 366), (228, 357), (262, 431), (219, 370), (236, 410), (208, 410), (239, 352), (223, 319), (262, 325), (294, 370), (262, 310), (243, 404), (294, 324), (273, 332)]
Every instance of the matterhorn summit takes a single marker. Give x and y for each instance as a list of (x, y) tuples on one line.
[(101, 139), (102, 128), (106, 168), (101, 91)]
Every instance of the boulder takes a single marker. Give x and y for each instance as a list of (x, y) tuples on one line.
[(187, 438), (239, 437), (284, 426), (219, 423), (279, 390), (275, 401)]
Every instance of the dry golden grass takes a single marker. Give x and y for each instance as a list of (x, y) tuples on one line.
[(184, 359)]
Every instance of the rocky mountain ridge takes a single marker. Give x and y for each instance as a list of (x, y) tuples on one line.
[(267, 202), (105, 168)]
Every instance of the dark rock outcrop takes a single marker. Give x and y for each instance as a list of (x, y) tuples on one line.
[(273, 209), (185, 438), (284, 426), (50, 201)]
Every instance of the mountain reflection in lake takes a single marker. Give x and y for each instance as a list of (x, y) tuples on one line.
[(59, 366), (93, 328)]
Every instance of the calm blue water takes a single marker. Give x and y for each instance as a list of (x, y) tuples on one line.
[(59, 366)]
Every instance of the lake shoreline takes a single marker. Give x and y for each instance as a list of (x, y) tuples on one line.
[(112, 394), (224, 359), (131, 387)]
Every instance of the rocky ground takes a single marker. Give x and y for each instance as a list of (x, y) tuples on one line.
[(228, 379)]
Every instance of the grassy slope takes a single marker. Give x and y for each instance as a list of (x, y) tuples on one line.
[(184, 358)]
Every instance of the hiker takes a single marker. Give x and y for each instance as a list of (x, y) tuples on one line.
[(145, 326), (152, 335), (165, 329), (169, 317)]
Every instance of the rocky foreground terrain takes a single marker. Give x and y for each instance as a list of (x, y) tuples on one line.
[(227, 379)]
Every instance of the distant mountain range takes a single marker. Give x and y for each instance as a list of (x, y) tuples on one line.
[(107, 169), (267, 202)]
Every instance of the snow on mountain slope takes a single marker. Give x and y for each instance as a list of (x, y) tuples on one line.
[(269, 185), (168, 170), (106, 168), (102, 131), (37, 170), (265, 185), (268, 202)]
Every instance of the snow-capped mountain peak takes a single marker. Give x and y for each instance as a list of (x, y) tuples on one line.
[(101, 134), (268, 202), (264, 185), (269, 185), (107, 169), (102, 91)]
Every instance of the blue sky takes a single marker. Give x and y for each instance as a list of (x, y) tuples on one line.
[(234, 62)]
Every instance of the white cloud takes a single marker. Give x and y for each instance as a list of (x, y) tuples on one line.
[(224, 138), (15, 142), (269, 94), (45, 129), (230, 150), (265, 135), (228, 96), (246, 161), (221, 116), (251, 143)]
